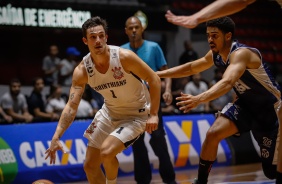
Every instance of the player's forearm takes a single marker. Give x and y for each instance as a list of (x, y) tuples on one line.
[(221, 8), (66, 119), (176, 72), (155, 95), (217, 90), (168, 85), (70, 110)]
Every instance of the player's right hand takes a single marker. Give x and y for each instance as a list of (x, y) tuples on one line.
[(51, 151), (152, 123)]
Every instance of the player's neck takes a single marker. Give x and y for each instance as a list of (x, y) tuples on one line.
[(224, 53)]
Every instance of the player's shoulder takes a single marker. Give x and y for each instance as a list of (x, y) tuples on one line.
[(80, 71), (242, 52), (125, 53)]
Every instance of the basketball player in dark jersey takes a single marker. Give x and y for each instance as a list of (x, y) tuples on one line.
[(258, 105)]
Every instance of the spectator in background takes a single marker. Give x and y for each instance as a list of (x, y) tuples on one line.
[(195, 87), (167, 109), (51, 66), (14, 103), (178, 86), (151, 53), (36, 103), (86, 108), (55, 102), (4, 118), (98, 99), (218, 103), (89, 97), (189, 54), (67, 66)]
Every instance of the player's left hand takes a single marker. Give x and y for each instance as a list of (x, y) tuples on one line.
[(152, 123), (187, 102), (167, 96)]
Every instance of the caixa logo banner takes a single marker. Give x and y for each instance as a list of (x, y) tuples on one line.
[(185, 135), (23, 146)]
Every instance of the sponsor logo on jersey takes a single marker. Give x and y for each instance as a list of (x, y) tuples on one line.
[(89, 68), (117, 73), (267, 142), (264, 153), (241, 87), (110, 85)]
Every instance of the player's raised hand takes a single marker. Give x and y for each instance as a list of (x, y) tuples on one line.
[(180, 20)]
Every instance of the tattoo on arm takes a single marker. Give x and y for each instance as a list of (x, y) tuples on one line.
[(67, 119), (68, 115), (76, 96)]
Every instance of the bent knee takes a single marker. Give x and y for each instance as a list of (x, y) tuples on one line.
[(107, 154), (213, 135), (90, 167)]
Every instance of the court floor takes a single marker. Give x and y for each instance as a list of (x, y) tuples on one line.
[(240, 174)]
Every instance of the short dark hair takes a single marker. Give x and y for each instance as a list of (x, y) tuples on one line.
[(225, 24), (92, 22), (34, 80), (53, 88), (14, 80)]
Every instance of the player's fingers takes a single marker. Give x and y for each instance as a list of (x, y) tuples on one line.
[(148, 130), (155, 127), (53, 158), (151, 127), (182, 103), (186, 108), (47, 156), (168, 13)]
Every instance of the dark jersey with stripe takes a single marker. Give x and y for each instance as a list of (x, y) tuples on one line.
[(256, 87)]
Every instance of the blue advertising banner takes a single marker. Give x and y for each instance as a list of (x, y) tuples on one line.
[(23, 146)]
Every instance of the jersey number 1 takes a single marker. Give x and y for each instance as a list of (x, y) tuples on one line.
[(113, 93)]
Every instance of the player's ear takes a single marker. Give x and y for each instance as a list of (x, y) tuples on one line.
[(84, 40), (228, 36), (106, 38)]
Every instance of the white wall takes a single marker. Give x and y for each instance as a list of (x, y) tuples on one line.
[(26, 90)]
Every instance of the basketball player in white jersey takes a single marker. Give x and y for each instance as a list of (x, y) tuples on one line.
[(218, 8), (127, 112), (258, 107)]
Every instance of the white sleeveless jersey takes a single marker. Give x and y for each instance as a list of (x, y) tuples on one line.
[(124, 93)]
